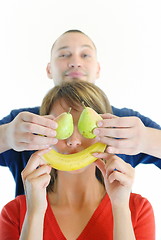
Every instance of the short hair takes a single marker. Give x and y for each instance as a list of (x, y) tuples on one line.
[(73, 31), (74, 93)]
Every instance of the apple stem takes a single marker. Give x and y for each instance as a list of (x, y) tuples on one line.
[(83, 105), (69, 110)]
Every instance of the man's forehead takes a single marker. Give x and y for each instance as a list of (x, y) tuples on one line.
[(68, 46), (68, 40)]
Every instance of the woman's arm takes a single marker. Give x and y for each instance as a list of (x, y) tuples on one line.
[(118, 179), (123, 228), (35, 178), (32, 227)]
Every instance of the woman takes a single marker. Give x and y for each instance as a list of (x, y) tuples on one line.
[(93, 203)]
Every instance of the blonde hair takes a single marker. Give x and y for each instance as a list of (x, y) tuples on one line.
[(74, 93)]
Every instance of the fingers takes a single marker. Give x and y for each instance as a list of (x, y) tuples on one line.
[(123, 127), (116, 127), (125, 180), (32, 132), (38, 129), (42, 180), (40, 120), (118, 122), (123, 150), (114, 162), (117, 165), (130, 146), (115, 169), (34, 162), (32, 141), (39, 177), (31, 147), (118, 144), (123, 135), (49, 117), (43, 125), (101, 165), (36, 177), (108, 116)]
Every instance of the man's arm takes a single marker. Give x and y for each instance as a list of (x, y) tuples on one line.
[(25, 130), (3, 142), (152, 144)]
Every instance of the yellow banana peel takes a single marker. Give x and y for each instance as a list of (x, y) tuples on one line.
[(70, 162)]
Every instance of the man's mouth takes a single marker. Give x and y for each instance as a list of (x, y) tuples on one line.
[(75, 74)]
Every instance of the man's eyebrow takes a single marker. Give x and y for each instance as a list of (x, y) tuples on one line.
[(82, 46), (61, 48), (87, 45)]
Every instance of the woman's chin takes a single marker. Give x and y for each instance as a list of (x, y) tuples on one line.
[(78, 171)]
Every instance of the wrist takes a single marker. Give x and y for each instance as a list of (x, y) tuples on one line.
[(121, 202), (121, 212), (4, 146), (33, 213), (37, 217), (145, 140), (120, 206), (152, 143)]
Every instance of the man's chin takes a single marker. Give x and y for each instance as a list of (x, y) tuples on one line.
[(70, 79)]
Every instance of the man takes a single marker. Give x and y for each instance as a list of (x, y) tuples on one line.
[(74, 57)]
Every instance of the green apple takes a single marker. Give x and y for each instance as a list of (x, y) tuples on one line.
[(88, 122), (65, 125)]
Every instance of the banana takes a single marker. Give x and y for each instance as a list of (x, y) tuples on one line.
[(69, 162)]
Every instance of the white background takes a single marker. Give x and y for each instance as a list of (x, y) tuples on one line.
[(128, 38)]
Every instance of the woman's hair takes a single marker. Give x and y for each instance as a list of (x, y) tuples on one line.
[(74, 94)]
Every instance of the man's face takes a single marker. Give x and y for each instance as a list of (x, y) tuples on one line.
[(73, 57)]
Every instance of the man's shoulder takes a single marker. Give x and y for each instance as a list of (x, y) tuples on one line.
[(32, 110), (127, 112), (15, 112), (124, 112)]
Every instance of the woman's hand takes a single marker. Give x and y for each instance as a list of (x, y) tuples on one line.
[(36, 177), (118, 177)]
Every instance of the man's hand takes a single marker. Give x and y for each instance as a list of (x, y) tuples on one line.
[(123, 135), (29, 131)]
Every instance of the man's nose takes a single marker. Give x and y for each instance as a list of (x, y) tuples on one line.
[(75, 62)]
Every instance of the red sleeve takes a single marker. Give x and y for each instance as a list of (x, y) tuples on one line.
[(143, 219), (11, 219)]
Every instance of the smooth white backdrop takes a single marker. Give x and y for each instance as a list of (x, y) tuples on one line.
[(127, 35)]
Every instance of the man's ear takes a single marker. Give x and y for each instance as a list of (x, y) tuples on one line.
[(98, 70), (48, 70)]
